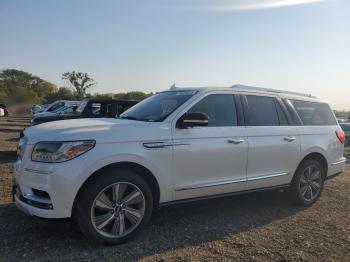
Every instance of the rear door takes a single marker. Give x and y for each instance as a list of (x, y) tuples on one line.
[(274, 144)]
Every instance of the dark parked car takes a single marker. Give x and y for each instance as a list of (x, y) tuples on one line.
[(4, 107), (346, 129), (90, 108)]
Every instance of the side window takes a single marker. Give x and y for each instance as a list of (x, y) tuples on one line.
[(281, 115), (220, 109), (108, 108), (96, 109), (262, 111), (68, 110), (55, 106), (314, 113)]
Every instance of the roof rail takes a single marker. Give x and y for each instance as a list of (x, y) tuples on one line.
[(173, 87), (270, 90)]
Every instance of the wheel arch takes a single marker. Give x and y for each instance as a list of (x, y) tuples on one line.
[(125, 165), (315, 156)]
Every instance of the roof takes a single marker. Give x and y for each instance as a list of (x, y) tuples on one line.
[(112, 100), (250, 89)]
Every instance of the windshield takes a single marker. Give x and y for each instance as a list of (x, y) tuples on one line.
[(82, 106), (157, 107), (55, 106), (58, 109)]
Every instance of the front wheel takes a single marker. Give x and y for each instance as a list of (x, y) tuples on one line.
[(114, 206), (308, 183)]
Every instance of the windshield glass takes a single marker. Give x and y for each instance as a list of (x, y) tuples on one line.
[(55, 106), (82, 106), (157, 107), (59, 109)]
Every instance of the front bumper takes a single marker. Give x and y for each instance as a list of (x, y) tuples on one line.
[(47, 190)]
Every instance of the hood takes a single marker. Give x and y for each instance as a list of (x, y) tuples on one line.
[(54, 117), (103, 130), (44, 114)]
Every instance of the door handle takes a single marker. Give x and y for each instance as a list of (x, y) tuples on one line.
[(235, 140), (289, 138)]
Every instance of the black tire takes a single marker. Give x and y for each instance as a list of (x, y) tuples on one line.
[(296, 190), (93, 188)]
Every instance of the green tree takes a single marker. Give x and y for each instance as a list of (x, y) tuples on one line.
[(133, 95), (22, 87), (63, 93), (3, 91), (80, 81)]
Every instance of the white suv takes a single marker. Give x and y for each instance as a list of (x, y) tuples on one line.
[(178, 145)]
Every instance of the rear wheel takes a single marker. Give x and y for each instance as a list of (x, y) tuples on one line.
[(114, 206), (308, 183)]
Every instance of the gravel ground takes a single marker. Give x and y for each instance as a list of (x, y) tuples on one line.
[(259, 226)]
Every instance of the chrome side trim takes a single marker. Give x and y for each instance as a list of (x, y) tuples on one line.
[(155, 145), (180, 143), (37, 171), (266, 176), (228, 182), (210, 184), (202, 198), (338, 162)]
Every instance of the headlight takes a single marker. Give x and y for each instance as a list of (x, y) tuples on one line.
[(55, 152)]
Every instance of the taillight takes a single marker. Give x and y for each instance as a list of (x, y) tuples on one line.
[(341, 136)]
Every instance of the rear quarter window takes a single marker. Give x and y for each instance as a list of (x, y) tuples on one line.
[(264, 111), (314, 113)]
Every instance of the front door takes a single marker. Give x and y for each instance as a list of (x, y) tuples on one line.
[(210, 160)]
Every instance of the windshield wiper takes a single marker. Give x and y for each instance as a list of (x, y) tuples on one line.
[(136, 119), (129, 117)]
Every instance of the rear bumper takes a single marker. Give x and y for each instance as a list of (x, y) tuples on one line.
[(336, 168)]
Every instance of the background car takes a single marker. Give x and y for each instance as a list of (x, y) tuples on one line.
[(4, 108), (69, 107), (36, 108), (54, 106), (89, 108), (346, 129)]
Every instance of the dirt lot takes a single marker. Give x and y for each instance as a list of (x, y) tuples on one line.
[(260, 226)]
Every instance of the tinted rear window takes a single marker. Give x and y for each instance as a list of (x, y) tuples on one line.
[(262, 111), (314, 114)]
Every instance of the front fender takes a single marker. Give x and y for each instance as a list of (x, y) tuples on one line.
[(158, 162)]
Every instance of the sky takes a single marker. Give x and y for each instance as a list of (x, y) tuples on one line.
[(134, 45)]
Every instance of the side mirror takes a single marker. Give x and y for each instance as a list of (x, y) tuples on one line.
[(192, 120)]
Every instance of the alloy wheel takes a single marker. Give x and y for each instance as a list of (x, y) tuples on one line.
[(310, 183), (118, 210)]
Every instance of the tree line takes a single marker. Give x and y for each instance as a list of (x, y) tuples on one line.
[(20, 87)]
